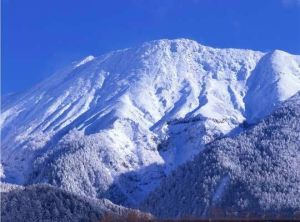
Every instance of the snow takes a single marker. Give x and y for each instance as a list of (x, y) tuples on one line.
[(125, 103), (275, 79), (2, 175), (85, 60)]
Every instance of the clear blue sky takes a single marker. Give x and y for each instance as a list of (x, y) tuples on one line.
[(39, 36)]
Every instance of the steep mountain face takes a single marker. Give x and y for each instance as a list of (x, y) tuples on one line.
[(257, 172), (115, 125), (47, 203)]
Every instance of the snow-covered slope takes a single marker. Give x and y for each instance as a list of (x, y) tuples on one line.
[(271, 83), (256, 172), (113, 126)]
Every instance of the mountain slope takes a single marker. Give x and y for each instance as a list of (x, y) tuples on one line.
[(115, 125), (256, 172), (47, 203)]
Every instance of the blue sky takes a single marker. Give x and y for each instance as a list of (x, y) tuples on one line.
[(40, 36)]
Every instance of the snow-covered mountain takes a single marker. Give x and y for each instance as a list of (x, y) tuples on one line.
[(113, 126), (256, 172)]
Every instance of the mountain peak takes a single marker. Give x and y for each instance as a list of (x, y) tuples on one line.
[(275, 79)]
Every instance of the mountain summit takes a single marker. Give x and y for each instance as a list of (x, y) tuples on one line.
[(113, 126)]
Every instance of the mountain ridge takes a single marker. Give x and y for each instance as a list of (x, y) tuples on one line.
[(42, 202)]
